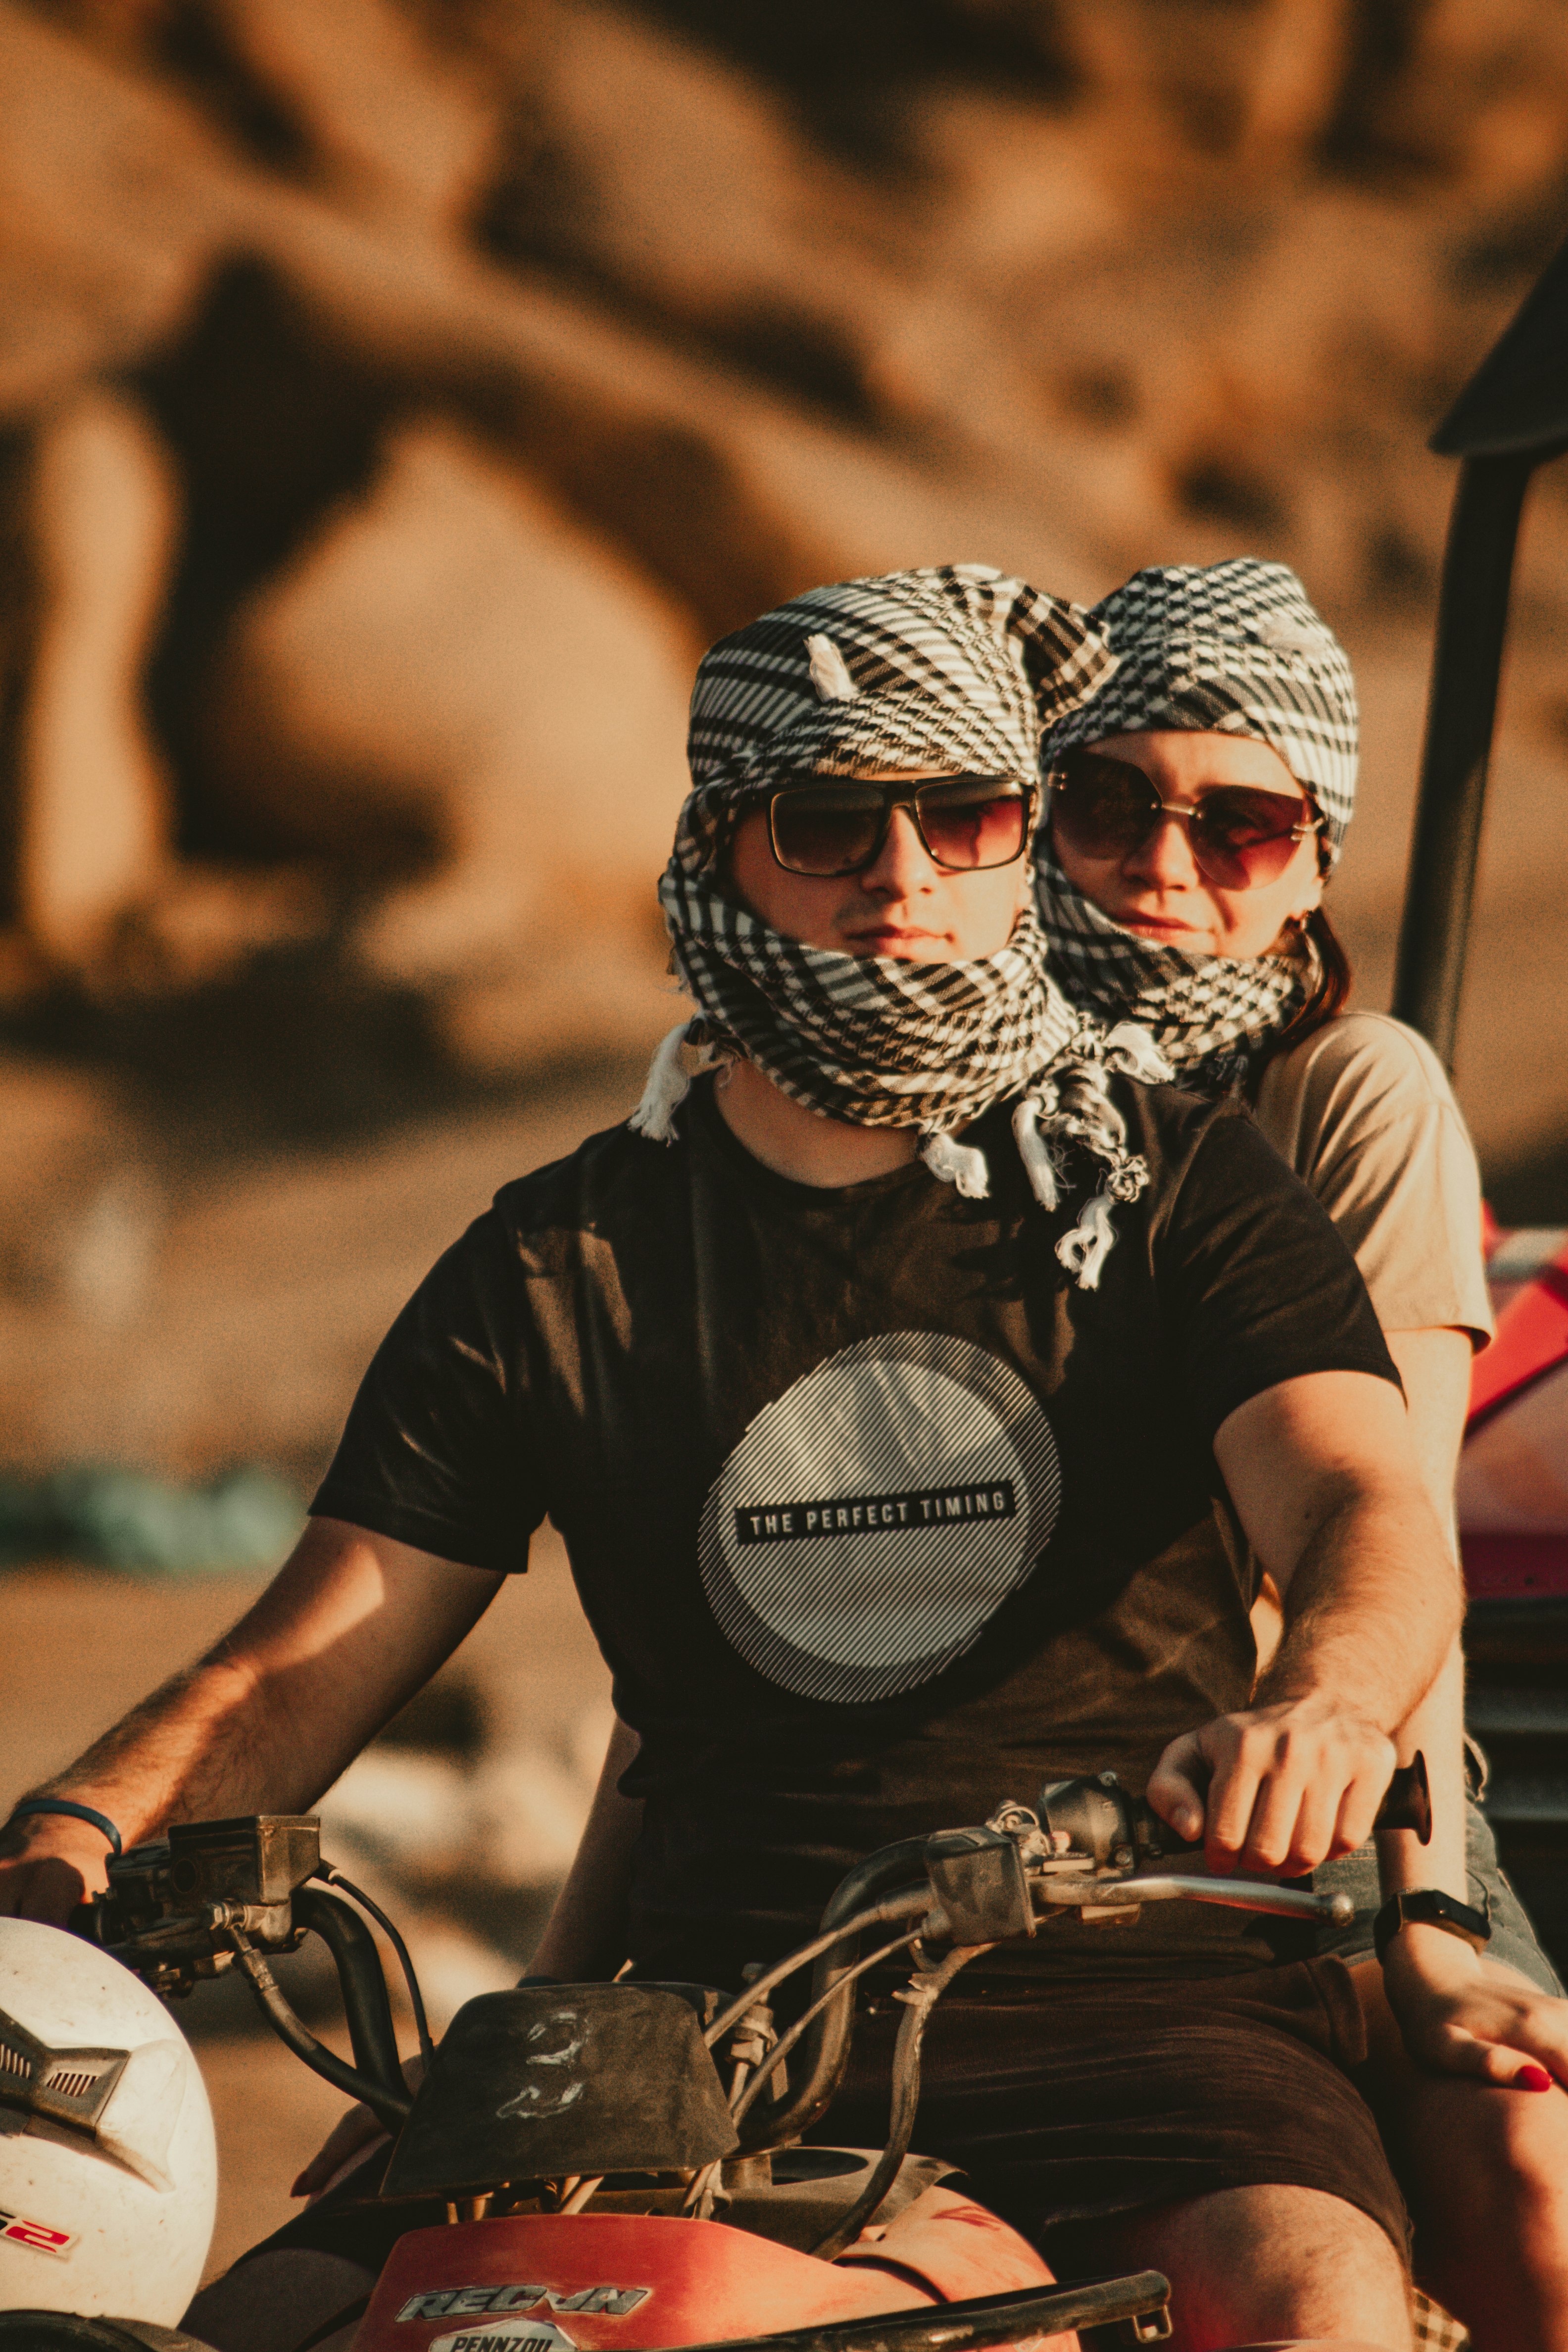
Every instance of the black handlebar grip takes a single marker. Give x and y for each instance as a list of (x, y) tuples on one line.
[(1408, 1803)]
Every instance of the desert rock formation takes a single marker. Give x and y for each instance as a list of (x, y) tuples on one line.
[(398, 393)]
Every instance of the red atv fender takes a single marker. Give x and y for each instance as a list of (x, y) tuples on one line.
[(642, 2281)]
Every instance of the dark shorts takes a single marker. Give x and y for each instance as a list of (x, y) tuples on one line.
[(1513, 1938), (1071, 2102), (1083, 2102)]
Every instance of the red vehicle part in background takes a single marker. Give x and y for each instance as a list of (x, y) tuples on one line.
[(1512, 1504), (1513, 1474)]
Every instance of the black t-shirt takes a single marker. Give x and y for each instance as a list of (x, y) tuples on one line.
[(878, 1517)]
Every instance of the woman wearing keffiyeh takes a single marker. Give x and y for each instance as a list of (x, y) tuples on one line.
[(1196, 805), (1230, 665)]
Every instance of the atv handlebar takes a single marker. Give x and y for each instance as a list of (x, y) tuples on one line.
[(218, 1895), (1086, 1846)]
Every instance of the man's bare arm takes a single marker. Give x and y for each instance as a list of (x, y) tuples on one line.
[(585, 1936), (349, 1629), (1326, 1481)]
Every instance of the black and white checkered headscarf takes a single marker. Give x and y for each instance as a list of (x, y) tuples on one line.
[(954, 669), (1232, 648)]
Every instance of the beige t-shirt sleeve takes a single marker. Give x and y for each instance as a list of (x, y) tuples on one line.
[(1363, 1112)]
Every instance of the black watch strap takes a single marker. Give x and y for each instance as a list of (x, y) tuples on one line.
[(1428, 1907)]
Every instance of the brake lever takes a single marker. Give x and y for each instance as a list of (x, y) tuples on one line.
[(1129, 1892)]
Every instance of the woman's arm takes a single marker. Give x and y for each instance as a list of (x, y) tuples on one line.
[(1457, 2011), (1435, 1366)]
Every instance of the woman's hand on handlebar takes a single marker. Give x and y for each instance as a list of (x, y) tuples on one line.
[(1460, 2013), (354, 2135), (1277, 1789)]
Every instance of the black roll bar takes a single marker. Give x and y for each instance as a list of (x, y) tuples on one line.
[(1467, 662), (1511, 417)]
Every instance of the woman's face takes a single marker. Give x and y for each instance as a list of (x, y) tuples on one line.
[(903, 905), (1157, 891)]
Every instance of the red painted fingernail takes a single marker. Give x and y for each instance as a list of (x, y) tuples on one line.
[(1534, 2078)]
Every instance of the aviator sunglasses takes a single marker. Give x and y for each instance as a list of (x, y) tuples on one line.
[(1241, 836), (830, 826)]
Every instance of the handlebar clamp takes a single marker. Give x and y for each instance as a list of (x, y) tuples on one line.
[(169, 1903), (981, 1895)]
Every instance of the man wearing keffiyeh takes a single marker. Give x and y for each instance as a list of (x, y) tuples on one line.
[(881, 1376), (921, 673)]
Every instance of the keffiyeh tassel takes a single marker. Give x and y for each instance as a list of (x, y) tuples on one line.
[(958, 1164), (1084, 1251), (1129, 1049), (667, 1084), (1075, 1106), (830, 671), (1038, 1165)]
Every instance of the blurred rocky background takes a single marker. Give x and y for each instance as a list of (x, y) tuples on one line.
[(395, 396)]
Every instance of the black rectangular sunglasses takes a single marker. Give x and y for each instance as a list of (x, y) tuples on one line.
[(829, 827)]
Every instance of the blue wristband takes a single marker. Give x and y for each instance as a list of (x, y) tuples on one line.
[(77, 1813)]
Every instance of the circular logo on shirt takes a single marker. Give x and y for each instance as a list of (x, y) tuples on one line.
[(875, 1517)]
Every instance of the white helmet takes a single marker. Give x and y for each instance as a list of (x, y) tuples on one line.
[(107, 2167)]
